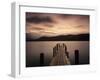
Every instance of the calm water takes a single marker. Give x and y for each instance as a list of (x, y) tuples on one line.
[(33, 50)]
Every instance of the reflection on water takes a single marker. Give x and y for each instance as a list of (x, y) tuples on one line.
[(33, 50)]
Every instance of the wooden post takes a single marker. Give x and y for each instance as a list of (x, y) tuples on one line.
[(41, 59), (67, 54), (76, 56)]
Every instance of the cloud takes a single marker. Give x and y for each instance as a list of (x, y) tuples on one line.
[(37, 28), (71, 16), (49, 24), (38, 18), (80, 26), (64, 16)]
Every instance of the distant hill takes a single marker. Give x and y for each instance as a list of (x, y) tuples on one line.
[(79, 37)]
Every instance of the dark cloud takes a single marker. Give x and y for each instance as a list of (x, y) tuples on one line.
[(37, 28), (30, 14), (66, 16), (28, 24), (48, 25), (84, 17), (38, 20)]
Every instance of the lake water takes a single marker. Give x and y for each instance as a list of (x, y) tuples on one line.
[(34, 48)]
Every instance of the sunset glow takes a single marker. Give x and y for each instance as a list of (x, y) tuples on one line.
[(47, 24)]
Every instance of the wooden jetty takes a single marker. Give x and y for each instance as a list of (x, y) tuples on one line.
[(59, 55)]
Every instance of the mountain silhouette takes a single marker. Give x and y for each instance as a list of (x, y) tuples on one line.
[(79, 37)]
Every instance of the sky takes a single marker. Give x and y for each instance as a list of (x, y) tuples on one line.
[(51, 24)]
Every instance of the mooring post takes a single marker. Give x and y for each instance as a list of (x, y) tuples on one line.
[(76, 56), (67, 54), (41, 59), (54, 51)]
